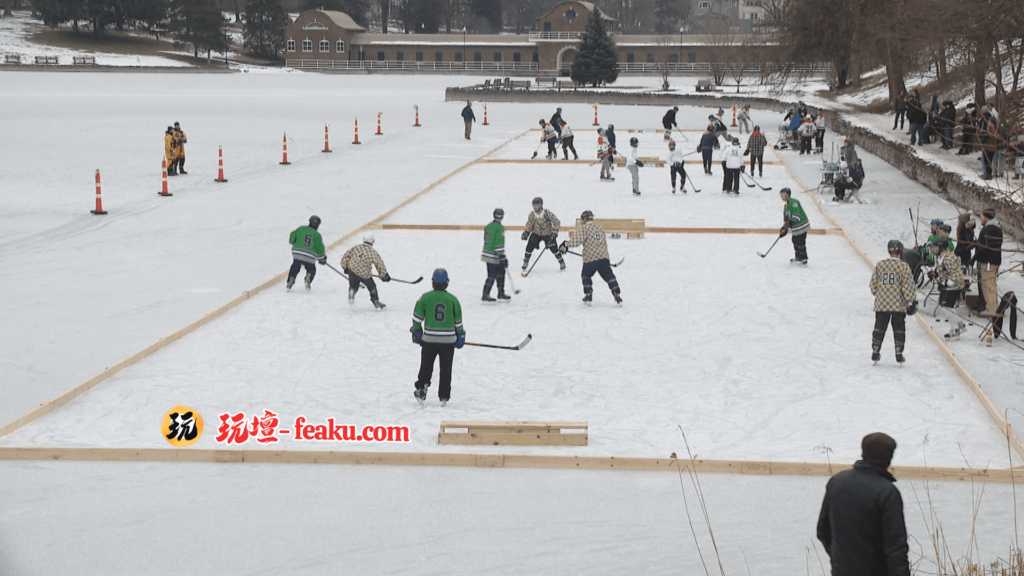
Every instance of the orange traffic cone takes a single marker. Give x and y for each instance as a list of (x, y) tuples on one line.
[(285, 160), (595, 115), (220, 165), (417, 124), (356, 141), (485, 115), (99, 201), (379, 133), (164, 191), (327, 140)]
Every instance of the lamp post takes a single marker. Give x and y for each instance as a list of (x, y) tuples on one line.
[(680, 62), (463, 47)]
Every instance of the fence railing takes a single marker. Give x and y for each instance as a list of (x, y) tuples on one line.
[(553, 36), (707, 67), (407, 65)]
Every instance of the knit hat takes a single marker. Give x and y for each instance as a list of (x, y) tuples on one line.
[(877, 448)]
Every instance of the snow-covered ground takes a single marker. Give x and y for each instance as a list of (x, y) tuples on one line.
[(753, 359)]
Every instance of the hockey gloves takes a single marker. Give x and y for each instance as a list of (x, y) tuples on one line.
[(640, 163), (322, 259), (912, 308), (563, 247), (784, 230), (385, 278), (746, 152), (461, 341), (503, 262), (417, 336), (525, 235), (346, 271)]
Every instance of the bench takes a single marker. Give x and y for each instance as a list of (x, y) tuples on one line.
[(566, 84), (541, 80), (520, 85), (704, 86), (513, 433), (84, 60), (46, 60), (12, 59), (652, 161), (632, 227), (486, 85)]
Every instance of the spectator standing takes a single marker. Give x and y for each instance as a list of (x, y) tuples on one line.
[(968, 124), (170, 151), (755, 148), (989, 256), (819, 134), (918, 118), (468, 117), (861, 523), (947, 121), (180, 139), (899, 106), (848, 152), (989, 146), (965, 238)]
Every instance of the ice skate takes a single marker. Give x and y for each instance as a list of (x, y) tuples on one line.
[(309, 280), (618, 299), (588, 299), (351, 296), (900, 359), (421, 395), (291, 282), (503, 296), (444, 403), (561, 265), (487, 298), (875, 357), (379, 305), (636, 192)]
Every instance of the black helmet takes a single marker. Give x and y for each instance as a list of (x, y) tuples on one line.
[(946, 228), (543, 121), (538, 201), (938, 246), (786, 191), (633, 141), (314, 222), (735, 140), (499, 213), (895, 247), (587, 216), (757, 128)]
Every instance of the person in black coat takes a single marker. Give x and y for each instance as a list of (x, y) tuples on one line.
[(556, 121), (969, 125), (918, 118), (668, 121), (965, 238), (861, 523), (947, 121), (989, 257)]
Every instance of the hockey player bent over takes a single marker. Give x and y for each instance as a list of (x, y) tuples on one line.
[(794, 218), (541, 226), (307, 250), (437, 328), (676, 166), (357, 262), (549, 135), (892, 285), (949, 278), (595, 256), (494, 255)]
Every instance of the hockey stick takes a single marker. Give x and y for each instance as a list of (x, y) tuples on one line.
[(744, 175), (770, 249), (519, 347), (416, 281), (692, 187), (683, 135), (511, 283), (536, 150), (527, 273), (615, 265), (340, 273)]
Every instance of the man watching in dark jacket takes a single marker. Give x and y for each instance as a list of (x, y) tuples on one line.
[(861, 523), (988, 255)]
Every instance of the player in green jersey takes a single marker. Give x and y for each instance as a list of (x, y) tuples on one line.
[(307, 250), (494, 255), (794, 218), (437, 328)]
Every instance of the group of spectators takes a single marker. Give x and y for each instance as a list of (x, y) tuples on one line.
[(805, 126), (980, 129)]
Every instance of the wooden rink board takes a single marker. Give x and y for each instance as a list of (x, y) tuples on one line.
[(478, 460), (513, 433), (646, 230), (619, 163)]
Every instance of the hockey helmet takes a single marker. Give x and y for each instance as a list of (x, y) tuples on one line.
[(440, 277), (368, 238), (736, 141), (543, 121), (611, 126), (633, 141), (558, 109), (600, 131), (499, 213), (314, 222), (936, 222), (672, 144), (938, 246), (946, 228), (538, 201), (587, 216), (711, 117), (757, 128), (786, 191), (895, 247)]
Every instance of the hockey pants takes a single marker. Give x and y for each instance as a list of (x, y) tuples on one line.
[(552, 148), (819, 139), (606, 167), (947, 303), (534, 242), (800, 246), (353, 285), (805, 144), (602, 267), (731, 180), (899, 330), (706, 155), (678, 169), (495, 273), (428, 352), (567, 145), (760, 164), (634, 171), (297, 265)]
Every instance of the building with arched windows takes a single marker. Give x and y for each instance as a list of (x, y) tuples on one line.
[(325, 39)]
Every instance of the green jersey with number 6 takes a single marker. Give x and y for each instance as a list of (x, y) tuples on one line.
[(439, 315)]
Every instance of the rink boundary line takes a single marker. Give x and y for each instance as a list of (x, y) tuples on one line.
[(647, 230), (1004, 426), (587, 162), (476, 460), (53, 404)]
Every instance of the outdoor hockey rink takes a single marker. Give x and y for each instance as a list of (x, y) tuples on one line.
[(753, 359)]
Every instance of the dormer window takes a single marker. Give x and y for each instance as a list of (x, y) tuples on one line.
[(570, 14), (314, 25)]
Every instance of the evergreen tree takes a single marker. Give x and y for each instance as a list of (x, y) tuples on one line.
[(669, 15), (263, 31), (597, 61), (198, 23), (421, 16), (485, 16)]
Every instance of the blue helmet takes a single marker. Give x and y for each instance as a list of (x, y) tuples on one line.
[(558, 110), (936, 222), (440, 276)]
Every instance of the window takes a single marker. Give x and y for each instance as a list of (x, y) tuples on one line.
[(438, 56), (547, 26), (497, 56), (314, 25), (419, 56), (630, 57), (570, 14), (458, 56), (307, 45), (478, 56), (325, 46), (291, 45), (691, 57), (650, 57), (673, 58), (400, 56), (380, 56), (536, 57), (754, 15), (517, 57), (341, 46), (703, 5)]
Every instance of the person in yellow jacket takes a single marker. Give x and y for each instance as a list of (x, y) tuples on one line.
[(181, 139), (170, 151)]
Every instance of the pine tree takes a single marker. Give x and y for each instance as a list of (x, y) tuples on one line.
[(485, 16), (597, 61), (263, 31)]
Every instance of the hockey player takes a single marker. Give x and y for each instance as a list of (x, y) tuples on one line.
[(494, 255), (676, 166), (437, 328), (892, 285), (610, 135), (181, 139), (717, 126), (744, 119), (668, 121), (170, 151), (307, 250), (794, 218), (755, 147), (567, 139), (949, 278), (357, 262), (634, 164), (549, 135), (806, 133), (732, 157), (556, 121), (595, 256), (605, 155), (708, 145), (541, 226)]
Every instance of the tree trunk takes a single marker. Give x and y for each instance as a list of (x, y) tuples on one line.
[(942, 64), (979, 71), (238, 11), (385, 14)]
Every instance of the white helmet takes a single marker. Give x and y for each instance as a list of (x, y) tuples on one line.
[(368, 238)]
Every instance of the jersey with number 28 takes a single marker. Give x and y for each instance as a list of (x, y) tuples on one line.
[(439, 315), (892, 284)]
